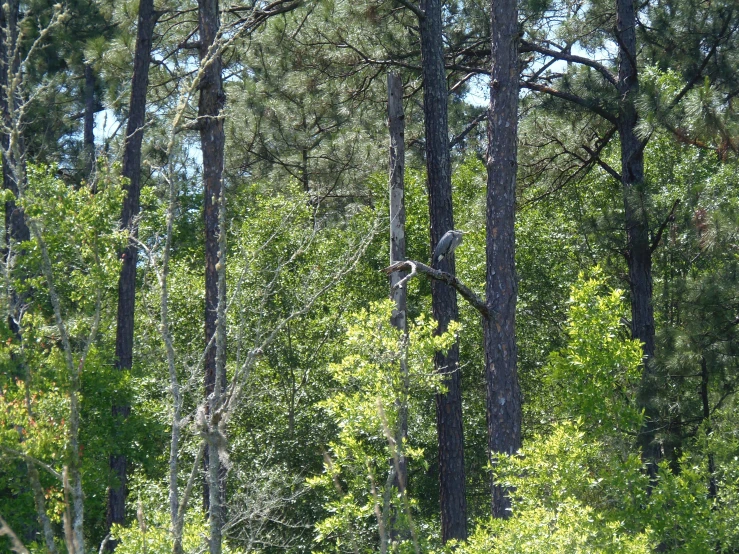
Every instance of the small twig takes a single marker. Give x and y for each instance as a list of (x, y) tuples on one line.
[(595, 155)]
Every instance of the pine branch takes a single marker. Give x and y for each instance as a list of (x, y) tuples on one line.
[(595, 108), (415, 9), (456, 140), (698, 74), (670, 217), (566, 56), (595, 155)]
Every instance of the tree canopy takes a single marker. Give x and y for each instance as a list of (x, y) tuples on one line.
[(222, 328)]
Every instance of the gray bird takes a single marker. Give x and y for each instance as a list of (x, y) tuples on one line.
[(446, 245)]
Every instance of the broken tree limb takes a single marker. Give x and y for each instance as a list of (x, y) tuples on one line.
[(451, 280)]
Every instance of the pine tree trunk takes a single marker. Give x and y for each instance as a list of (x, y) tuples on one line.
[(212, 141), (88, 134), (127, 280), (639, 252), (444, 298), (501, 289)]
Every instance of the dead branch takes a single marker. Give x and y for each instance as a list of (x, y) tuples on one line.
[(451, 280)]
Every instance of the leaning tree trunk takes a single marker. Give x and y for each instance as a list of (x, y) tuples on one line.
[(212, 141), (639, 250), (127, 279), (443, 297), (503, 393)]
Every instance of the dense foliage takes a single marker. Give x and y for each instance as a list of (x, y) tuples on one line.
[(325, 438)]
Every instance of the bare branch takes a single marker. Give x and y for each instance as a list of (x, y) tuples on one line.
[(74, 386), (237, 382), (15, 544), (33, 460), (595, 155), (104, 544), (179, 519), (451, 280)]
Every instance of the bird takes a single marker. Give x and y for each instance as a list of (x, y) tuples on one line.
[(446, 245)]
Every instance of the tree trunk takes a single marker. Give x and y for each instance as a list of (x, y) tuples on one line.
[(501, 289), (639, 252), (16, 229), (40, 501), (127, 280), (88, 135), (444, 298), (212, 141), (216, 470), (396, 123), (712, 484)]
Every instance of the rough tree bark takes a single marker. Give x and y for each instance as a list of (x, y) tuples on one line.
[(444, 298), (127, 279), (88, 132), (639, 248), (503, 393), (212, 141)]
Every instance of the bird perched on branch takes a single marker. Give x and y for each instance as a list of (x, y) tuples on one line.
[(446, 246)]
